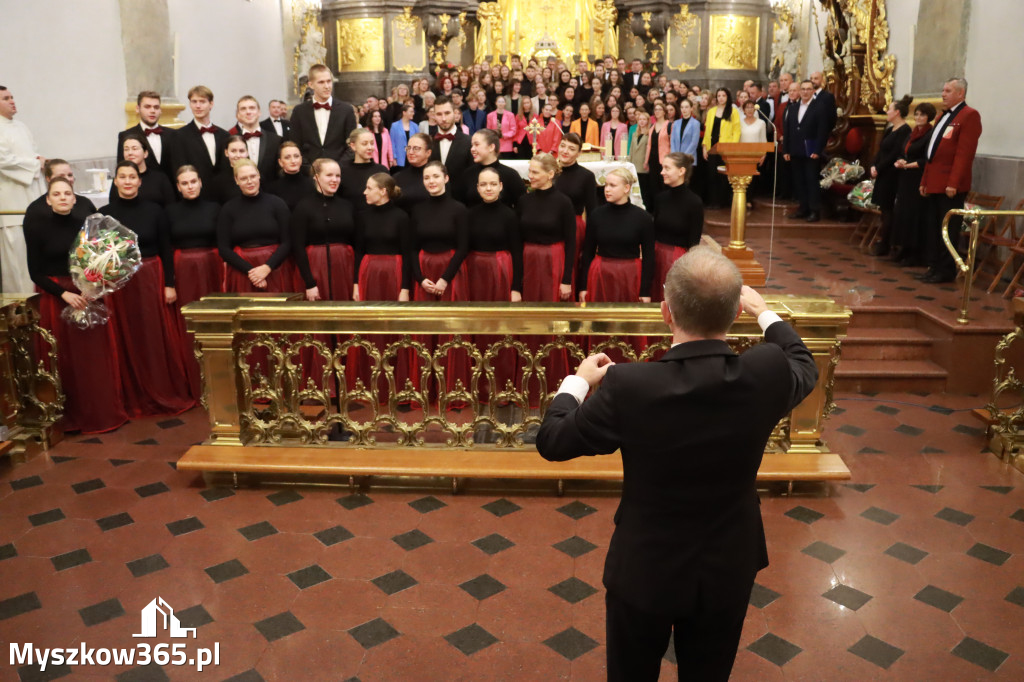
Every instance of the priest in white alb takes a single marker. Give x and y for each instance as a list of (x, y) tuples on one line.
[(20, 183)]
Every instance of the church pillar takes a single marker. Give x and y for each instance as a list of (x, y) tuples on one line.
[(149, 55)]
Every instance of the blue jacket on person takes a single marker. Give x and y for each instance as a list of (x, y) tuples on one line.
[(687, 140), (475, 120), (399, 140)]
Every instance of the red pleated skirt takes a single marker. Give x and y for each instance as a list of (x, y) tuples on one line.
[(664, 256), (613, 280), (486, 276), (151, 347), (89, 371), (432, 266), (380, 277), (197, 273), (280, 280), (581, 233), (542, 271), (342, 264)]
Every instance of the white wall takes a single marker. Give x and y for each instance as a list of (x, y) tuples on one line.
[(63, 61), (64, 64), (995, 69)]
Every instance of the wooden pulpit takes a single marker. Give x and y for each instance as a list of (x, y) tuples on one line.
[(741, 160)]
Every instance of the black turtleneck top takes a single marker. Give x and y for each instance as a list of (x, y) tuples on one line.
[(48, 240), (546, 216), (253, 221), (580, 185), (384, 230), (319, 219), (149, 222), (619, 231), (293, 188), (353, 180), (154, 187), (439, 225), (82, 209), (410, 180), (224, 188), (495, 227), (678, 217), (513, 186), (193, 224)]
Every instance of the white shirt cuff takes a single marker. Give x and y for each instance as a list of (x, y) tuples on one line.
[(575, 386), (767, 319)]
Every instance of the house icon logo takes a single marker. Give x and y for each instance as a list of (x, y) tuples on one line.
[(158, 615)]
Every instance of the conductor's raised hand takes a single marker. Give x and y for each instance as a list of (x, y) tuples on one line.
[(594, 368), (751, 301)]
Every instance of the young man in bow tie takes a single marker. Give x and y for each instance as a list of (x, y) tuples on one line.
[(451, 145), (322, 125), (200, 142), (160, 141), (278, 121), (263, 145)]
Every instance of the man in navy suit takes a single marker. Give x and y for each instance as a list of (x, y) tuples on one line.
[(200, 142), (692, 429), (803, 143), (321, 126)]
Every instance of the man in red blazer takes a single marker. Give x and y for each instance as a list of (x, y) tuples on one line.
[(947, 176), (692, 428)]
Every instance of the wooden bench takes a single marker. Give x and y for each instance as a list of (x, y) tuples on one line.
[(458, 463)]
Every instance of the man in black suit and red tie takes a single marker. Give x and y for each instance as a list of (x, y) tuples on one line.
[(278, 121), (803, 143), (160, 141), (321, 126), (692, 428), (200, 142), (451, 145), (263, 145)]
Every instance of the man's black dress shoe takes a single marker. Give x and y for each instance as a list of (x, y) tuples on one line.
[(813, 217), (924, 275), (799, 215), (938, 278)]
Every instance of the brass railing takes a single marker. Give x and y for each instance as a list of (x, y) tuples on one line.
[(972, 216), (1005, 438), (259, 355)]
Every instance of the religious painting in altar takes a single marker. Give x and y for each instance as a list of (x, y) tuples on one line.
[(682, 51), (408, 42), (734, 42), (360, 44), (547, 27)]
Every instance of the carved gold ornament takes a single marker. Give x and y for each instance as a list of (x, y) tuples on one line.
[(683, 25), (361, 44), (734, 42), (406, 26)]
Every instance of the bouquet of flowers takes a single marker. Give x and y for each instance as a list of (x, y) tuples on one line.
[(102, 260)]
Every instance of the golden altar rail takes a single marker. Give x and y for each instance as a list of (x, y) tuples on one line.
[(280, 374)]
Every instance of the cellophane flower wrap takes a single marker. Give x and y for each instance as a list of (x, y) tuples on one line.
[(102, 260)]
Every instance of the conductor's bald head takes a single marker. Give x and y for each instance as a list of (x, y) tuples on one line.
[(702, 293)]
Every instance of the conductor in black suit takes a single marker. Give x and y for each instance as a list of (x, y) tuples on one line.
[(692, 428), (321, 127), (263, 145), (451, 145), (805, 132), (200, 142), (160, 141)]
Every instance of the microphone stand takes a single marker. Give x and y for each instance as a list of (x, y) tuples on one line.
[(337, 432)]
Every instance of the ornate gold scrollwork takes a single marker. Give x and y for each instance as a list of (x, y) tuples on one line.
[(360, 44), (684, 24), (1006, 423), (734, 41), (406, 26)]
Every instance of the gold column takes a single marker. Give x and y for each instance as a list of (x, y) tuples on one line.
[(738, 219)]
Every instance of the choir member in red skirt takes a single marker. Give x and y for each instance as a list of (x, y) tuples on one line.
[(323, 237), (577, 183), (292, 185), (678, 219), (224, 186), (484, 148), (410, 178), (494, 265), (547, 223), (253, 237), (86, 358), (198, 269), (154, 186), (357, 170), (151, 346)]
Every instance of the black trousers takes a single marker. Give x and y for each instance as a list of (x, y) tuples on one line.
[(705, 641), (936, 207), (805, 171)]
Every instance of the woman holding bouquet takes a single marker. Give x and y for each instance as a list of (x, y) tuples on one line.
[(86, 358), (253, 237), (151, 347)]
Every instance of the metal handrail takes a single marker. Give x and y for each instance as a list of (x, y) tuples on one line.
[(12, 213), (973, 216)]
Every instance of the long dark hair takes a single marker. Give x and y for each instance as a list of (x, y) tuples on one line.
[(727, 114)]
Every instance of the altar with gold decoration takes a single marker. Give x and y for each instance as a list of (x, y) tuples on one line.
[(542, 28)]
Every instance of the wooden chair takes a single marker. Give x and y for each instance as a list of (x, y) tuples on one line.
[(995, 236)]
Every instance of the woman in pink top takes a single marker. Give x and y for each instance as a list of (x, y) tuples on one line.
[(504, 123), (382, 152), (617, 130)]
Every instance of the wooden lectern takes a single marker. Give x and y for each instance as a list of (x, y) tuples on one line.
[(741, 166)]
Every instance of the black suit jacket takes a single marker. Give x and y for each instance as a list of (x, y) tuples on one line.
[(459, 158), (192, 150), (802, 138), (692, 428), (270, 147), (304, 133), (168, 149), (286, 127), (827, 101), (630, 80)]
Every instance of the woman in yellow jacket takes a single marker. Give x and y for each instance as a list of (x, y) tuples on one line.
[(587, 128), (721, 125)]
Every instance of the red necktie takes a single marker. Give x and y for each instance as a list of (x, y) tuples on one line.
[(211, 130), (154, 131), (444, 136), (248, 136), (323, 105)]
